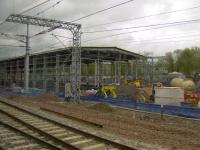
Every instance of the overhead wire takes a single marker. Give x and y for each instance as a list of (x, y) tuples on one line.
[(160, 38), (100, 11), (92, 14), (157, 42), (146, 16), (154, 40), (12, 46), (37, 5), (123, 33), (40, 11), (46, 9), (143, 26), (26, 10), (163, 41)]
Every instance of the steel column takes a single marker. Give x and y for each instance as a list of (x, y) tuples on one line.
[(34, 78), (76, 49), (27, 61), (44, 72), (57, 74)]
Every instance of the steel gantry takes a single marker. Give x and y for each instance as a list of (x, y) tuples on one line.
[(55, 24)]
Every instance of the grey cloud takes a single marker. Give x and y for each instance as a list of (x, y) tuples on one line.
[(72, 9)]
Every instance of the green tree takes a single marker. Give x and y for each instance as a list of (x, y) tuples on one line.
[(169, 61), (188, 61)]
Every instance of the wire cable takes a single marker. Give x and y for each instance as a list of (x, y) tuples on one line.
[(117, 29), (147, 16), (100, 11), (26, 10), (97, 12), (123, 33), (37, 5), (46, 9), (160, 38), (163, 41), (175, 37)]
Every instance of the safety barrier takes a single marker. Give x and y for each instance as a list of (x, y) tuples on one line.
[(182, 111), (188, 112), (31, 92)]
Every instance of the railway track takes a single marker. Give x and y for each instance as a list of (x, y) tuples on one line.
[(52, 134), (15, 139)]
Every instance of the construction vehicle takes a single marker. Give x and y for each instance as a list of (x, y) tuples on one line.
[(136, 82), (107, 90)]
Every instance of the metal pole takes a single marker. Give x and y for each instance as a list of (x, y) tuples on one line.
[(95, 73), (34, 78), (152, 71), (136, 70), (119, 69), (27, 61), (57, 74), (115, 66), (44, 73)]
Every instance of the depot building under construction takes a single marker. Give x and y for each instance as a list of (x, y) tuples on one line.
[(51, 70)]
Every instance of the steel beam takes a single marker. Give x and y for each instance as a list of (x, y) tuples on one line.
[(34, 78), (38, 21), (27, 61), (76, 50), (44, 73), (57, 74)]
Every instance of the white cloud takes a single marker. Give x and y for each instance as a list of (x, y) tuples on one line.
[(72, 9)]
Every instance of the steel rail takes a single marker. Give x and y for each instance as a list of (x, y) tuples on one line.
[(31, 136), (65, 144), (107, 141)]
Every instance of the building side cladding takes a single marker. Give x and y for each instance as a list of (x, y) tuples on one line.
[(51, 70)]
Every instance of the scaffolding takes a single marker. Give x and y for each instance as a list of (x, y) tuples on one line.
[(52, 70), (54, 24)]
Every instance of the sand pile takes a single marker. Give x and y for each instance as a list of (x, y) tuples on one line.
[(45, 97), (127, 91), (101, 107)]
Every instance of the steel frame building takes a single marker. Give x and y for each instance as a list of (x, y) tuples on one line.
[(51, 70), (52, 25)]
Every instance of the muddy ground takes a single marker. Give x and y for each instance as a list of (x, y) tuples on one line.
[(171, 132)]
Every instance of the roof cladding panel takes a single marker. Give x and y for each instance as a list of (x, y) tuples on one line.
[(89, 54)]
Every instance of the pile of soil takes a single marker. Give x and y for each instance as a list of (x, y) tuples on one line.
[(29, 100), (102, 107), (173, 132), (130, 91), (45, 97)]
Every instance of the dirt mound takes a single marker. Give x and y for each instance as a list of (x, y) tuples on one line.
[(102, 107), (45, 97)]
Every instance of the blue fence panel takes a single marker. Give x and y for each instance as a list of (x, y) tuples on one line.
[(182, 111), (148, 107), (127, 103), (31, 92), (118, 102)]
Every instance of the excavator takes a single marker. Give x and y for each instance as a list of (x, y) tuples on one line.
[(110, 90)]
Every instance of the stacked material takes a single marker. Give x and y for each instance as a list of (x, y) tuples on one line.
[(102, 107), (187, 85), (169, 95), (130, 91), (177, 82)]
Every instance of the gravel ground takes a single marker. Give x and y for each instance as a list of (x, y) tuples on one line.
[(171, 133)]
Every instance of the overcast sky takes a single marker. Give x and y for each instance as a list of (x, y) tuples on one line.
[(156, 41)]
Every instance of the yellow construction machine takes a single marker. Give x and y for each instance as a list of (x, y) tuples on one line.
[(109, 89), (136, 82)]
